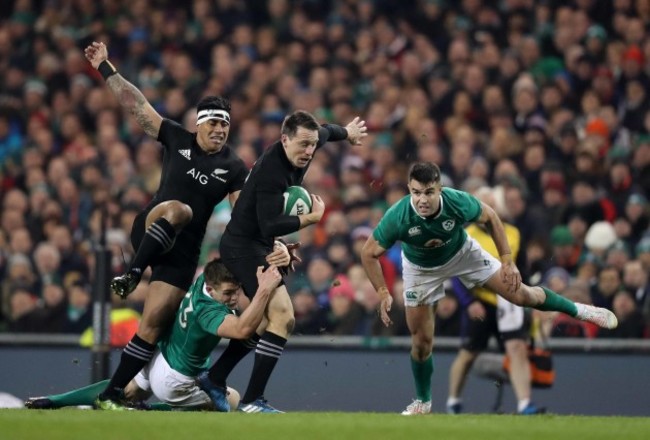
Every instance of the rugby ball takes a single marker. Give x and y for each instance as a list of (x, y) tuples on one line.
[(297, 201)]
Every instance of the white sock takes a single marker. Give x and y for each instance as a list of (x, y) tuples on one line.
[(522, 404), (453, 400)]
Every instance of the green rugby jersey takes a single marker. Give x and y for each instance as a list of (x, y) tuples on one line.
[(187, 346), (430, 241)]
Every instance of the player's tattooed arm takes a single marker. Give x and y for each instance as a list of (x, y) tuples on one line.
[(128, 95), (133, 100)]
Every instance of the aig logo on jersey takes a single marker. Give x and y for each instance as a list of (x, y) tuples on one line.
[(197, 175), (448, 225)]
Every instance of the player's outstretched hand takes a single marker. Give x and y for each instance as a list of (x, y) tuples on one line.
[(280, 256), (268, 279), (384, 309), (357, 130), (96, 53), (511, 277)]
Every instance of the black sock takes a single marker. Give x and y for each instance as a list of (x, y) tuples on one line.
[(267, 353), (134, 357), (234, 352), (159, 238)]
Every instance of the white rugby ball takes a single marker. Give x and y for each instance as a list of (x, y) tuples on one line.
[(297, 201)]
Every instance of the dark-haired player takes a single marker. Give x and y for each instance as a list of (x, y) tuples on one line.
[(199, 171), (204, 317), (258, 218), (435, 247)]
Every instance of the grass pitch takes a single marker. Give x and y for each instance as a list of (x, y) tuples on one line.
[(71, 424)]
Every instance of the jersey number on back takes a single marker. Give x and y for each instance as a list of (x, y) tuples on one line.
[(182, 318)]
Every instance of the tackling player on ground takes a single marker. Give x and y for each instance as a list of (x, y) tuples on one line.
[(205, 316)]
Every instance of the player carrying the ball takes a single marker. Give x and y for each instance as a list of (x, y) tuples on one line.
[(435, 247), (257, 219)]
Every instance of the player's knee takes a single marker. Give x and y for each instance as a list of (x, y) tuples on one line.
[(421, 352), (423, 344), (516, 347), (179, 214), (151, 329), (282, 318)]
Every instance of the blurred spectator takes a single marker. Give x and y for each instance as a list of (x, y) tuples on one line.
[(54, 314), (643, 253), (346, 314), (637, 282), (557, 279), (447, 317), (618, 255), (79, 308), (19, 274), (637, 211), (564, 253), (630, 320), (609, 282), (23, 312)]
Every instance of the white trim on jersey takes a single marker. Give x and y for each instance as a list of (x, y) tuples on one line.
[(212, 113)]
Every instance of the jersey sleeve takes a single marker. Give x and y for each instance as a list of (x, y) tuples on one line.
[(331, 133), (467, 206), (211, 318), (172, 135), (240, 178), (387, 231), (272, 222)]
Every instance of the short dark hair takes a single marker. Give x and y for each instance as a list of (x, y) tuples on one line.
[(424, 172), (298, 119), (215, 273), (214, 102)]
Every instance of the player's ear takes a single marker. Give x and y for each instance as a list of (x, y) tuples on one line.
[(284, 139)]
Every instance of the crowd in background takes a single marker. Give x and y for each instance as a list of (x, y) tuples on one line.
[(546, 102)]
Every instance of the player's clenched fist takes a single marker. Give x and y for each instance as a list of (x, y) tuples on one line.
[(96, 53)]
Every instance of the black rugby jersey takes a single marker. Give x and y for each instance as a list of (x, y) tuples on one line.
[(257, 215), (194, 177)]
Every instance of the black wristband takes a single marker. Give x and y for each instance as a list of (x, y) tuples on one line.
[(106, 69)]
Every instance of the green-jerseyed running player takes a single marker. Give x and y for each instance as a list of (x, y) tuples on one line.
[(205, 316), (429, 223)]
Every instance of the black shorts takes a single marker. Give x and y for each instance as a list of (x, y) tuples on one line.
[(243, 260), (475, 334), (176, 266)]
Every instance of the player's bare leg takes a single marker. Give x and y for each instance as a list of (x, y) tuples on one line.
[(457, 378), (421, 325), (542, 298), (519, 374), (159, 309)]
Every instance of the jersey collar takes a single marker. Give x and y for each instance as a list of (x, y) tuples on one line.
[(425, 218), (205, 292)]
